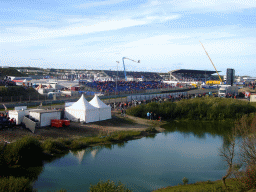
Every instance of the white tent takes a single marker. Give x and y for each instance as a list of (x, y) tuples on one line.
[(104, 110), (83, 111)]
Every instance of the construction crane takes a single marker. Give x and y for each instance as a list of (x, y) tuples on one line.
[(124, 65), (212, 63)]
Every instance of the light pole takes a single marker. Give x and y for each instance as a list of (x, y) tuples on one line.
[(124, 65), (116, 74)]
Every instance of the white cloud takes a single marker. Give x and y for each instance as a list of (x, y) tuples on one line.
[(147, 36), (19, 34), (202, 5), (96, 4)]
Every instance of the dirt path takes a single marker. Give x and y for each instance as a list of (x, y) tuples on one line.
[(117, 123)]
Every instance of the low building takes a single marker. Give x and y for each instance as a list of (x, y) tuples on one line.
[(44, 117), (18, 114)]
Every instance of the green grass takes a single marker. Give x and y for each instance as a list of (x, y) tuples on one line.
[(207, 186), (108, 138), (61, 145)]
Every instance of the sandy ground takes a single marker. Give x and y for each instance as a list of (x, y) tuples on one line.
[(117, 123)]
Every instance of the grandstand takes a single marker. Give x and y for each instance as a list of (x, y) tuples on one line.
[(190, 75), (134, 76), (136, 81), (121, 86)]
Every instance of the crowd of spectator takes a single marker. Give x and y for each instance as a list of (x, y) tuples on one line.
[(159, 99), (122, 106), (251, 85), (144, 75), (7, 82), (120, 86)]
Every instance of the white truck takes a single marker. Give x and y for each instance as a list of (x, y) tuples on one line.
[(226, 90)]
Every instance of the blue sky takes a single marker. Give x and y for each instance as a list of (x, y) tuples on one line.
[(164, 35)]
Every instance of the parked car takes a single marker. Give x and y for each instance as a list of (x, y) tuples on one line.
[(4, 122)]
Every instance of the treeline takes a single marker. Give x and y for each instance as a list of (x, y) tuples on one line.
[(208, 108)]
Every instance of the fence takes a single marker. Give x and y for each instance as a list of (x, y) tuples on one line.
[(22, 99), (13, 101), (115, 102)]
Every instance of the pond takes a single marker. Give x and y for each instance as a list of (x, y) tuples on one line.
[(142, 165)]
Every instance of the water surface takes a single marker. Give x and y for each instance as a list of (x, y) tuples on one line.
[(142, 165)]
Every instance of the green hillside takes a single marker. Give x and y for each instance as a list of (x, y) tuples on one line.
[(10, 72), (18, 91)]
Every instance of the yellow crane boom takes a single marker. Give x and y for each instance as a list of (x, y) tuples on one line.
[(211, 62)]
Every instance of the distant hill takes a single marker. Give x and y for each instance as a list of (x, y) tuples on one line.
[(10, 72)]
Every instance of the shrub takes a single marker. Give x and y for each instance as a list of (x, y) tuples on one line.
[(108, 186), (241, 95), (26, 151), (15, 184), (2, 161), (250, 178), (199, 108), (137, 111), (51, 146), (185, 181)]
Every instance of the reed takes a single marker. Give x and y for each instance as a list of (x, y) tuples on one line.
[(208, 108)]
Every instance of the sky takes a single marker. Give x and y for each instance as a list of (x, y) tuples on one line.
[(163, 35)]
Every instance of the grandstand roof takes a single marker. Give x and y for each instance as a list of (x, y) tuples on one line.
[(193, 71)]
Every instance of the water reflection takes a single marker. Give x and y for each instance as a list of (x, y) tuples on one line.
[(121, 144), (200, 129), (151, 136), (81, 154)]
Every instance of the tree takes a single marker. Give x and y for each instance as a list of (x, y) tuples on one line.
[(228, 153), (246, 128)]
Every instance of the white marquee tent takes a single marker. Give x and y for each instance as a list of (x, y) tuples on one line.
[(104, 110), (83, 111)]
